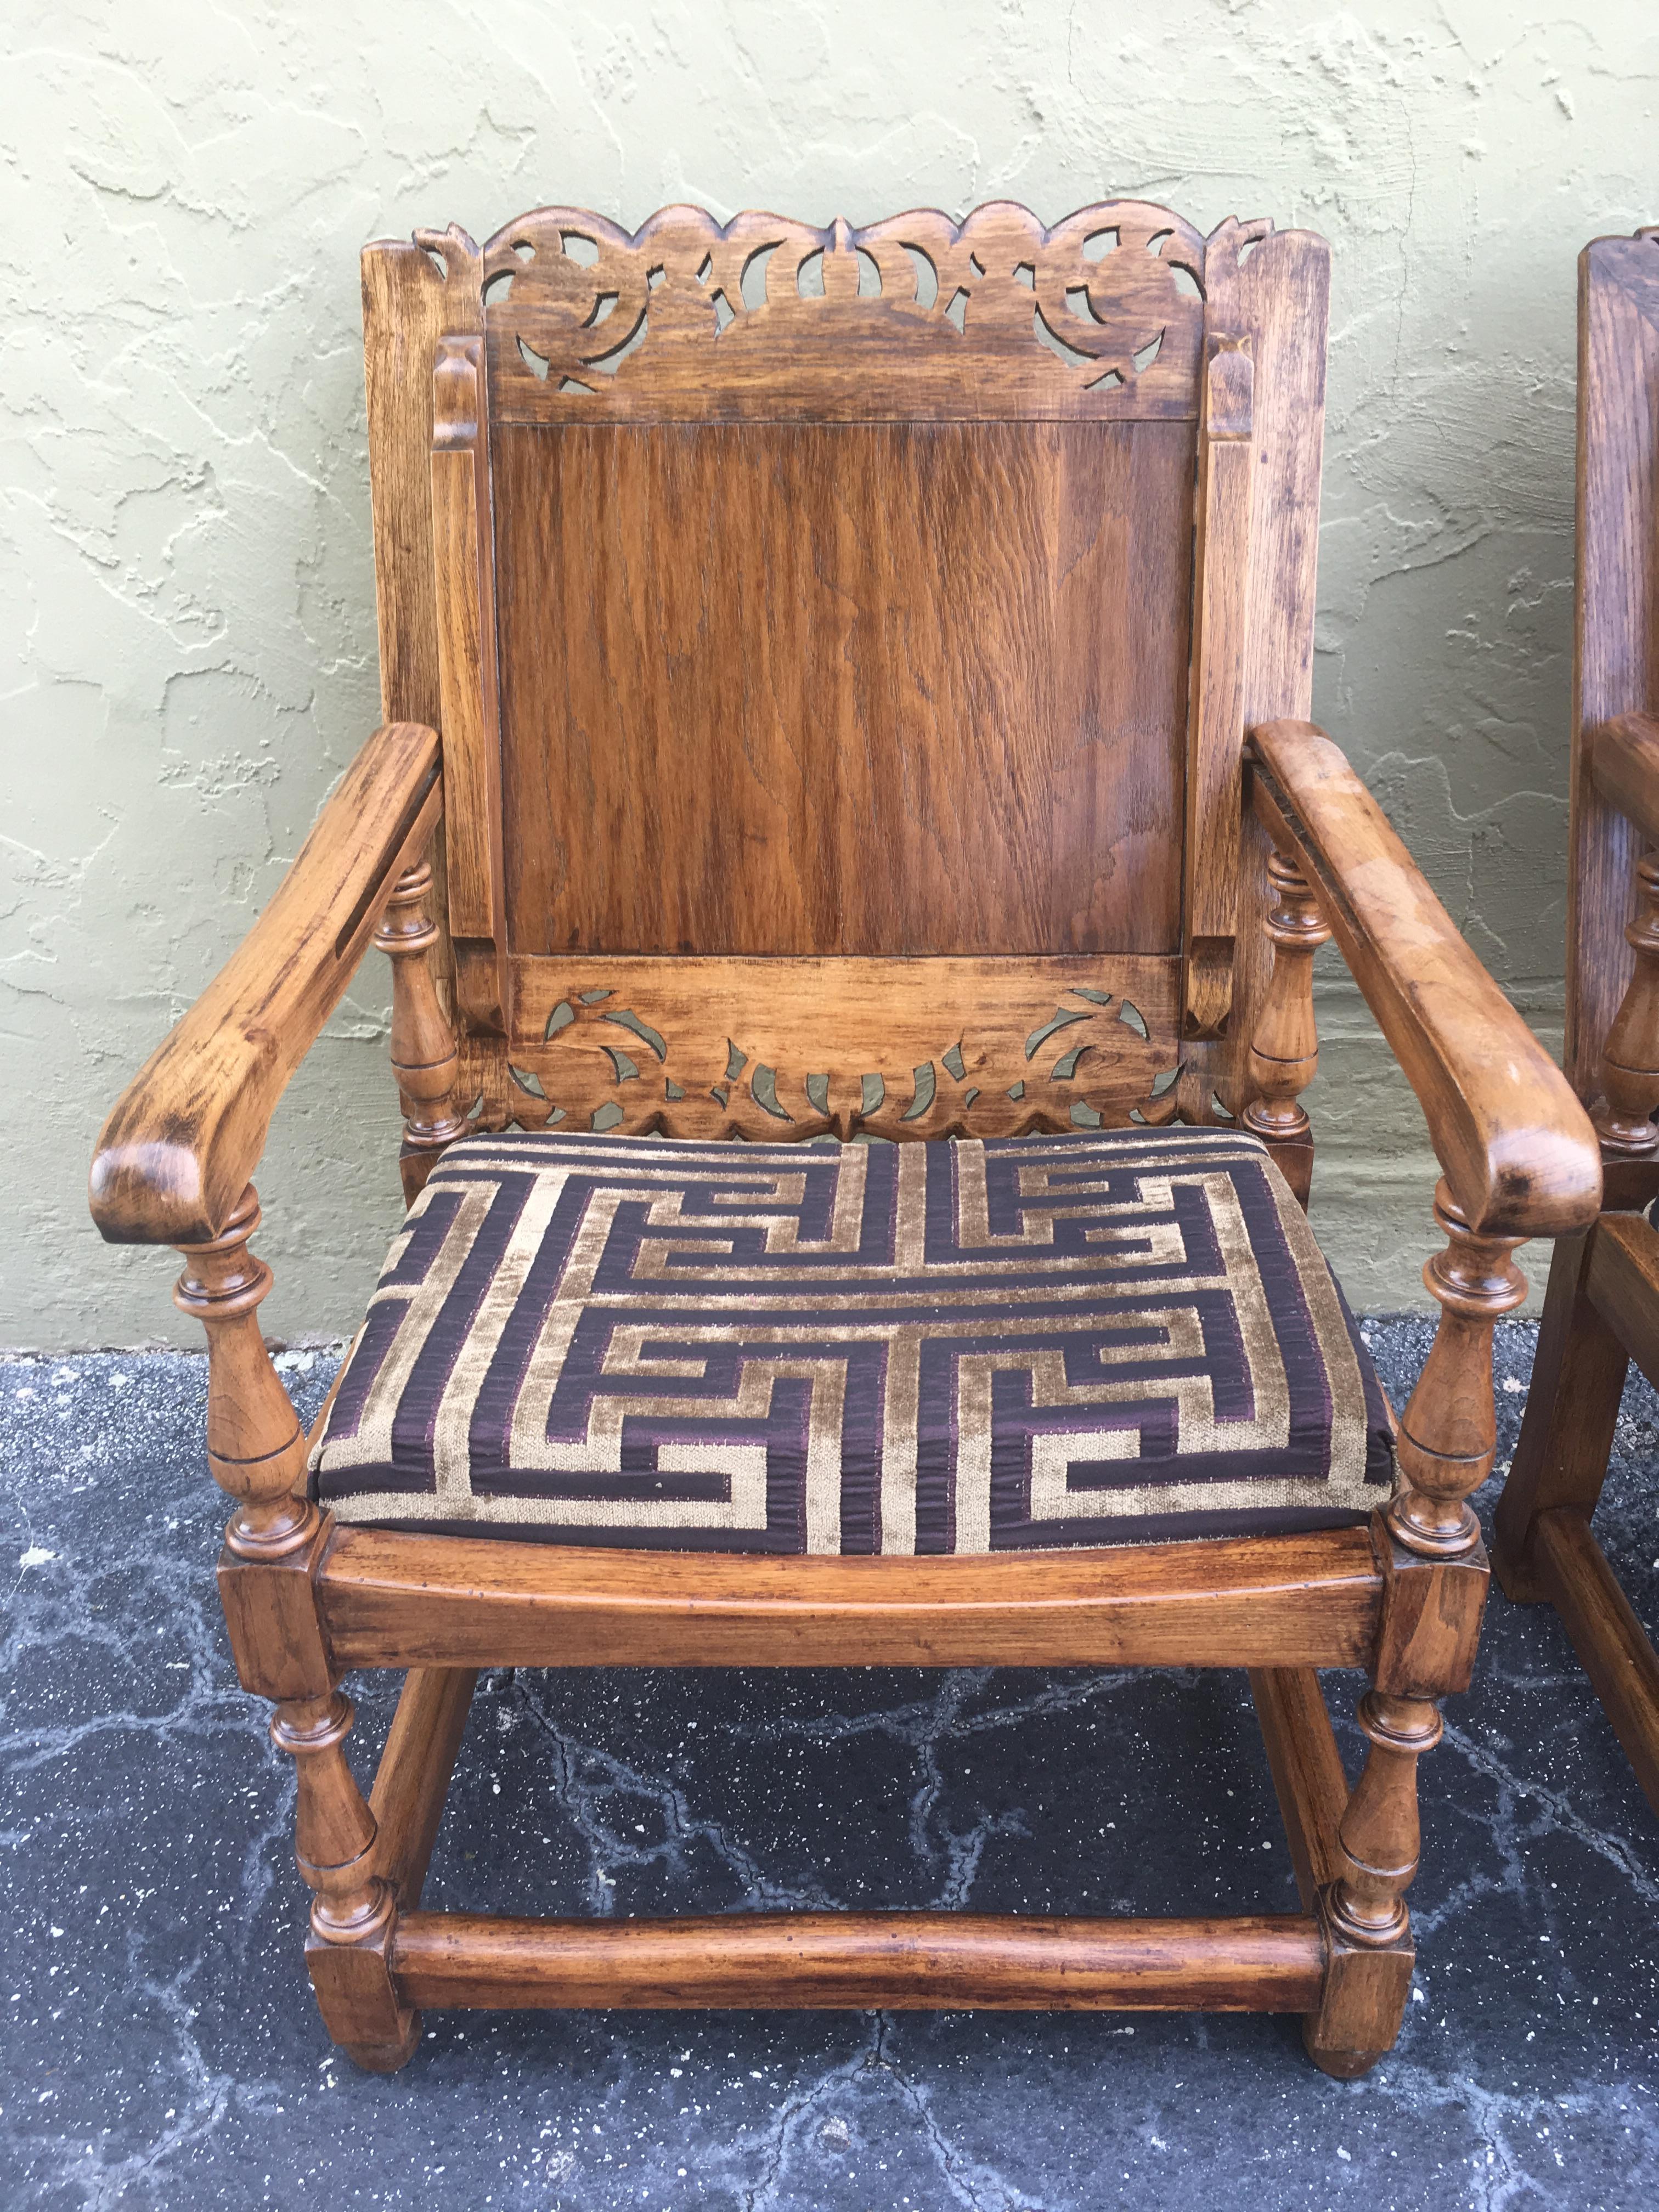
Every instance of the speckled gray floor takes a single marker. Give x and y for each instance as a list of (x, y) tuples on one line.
[(162, 2051)]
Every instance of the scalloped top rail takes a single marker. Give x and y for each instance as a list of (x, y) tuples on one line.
[(762, 319)]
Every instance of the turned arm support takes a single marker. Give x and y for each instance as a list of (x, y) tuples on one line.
[(1624, 763), (177, 1152), (1519, 1155)]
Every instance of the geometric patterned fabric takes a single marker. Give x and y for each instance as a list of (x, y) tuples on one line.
[(1017, 1345)]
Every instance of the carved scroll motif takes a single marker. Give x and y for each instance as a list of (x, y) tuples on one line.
[(695, 320), (1080, 1058)]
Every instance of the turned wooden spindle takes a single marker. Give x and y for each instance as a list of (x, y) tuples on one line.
[(1379, 1834), (424, 1056), (1630, 1059), (334, 1834), (256, 1447), (1284, 1056), (1448, 1432)]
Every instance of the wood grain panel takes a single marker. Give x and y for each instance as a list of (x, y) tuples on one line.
[(889, 689), (1278, 296), (778, 1050), (463, 572), (392, 1598), (1617, 662), (405, 302), (1215, 723)]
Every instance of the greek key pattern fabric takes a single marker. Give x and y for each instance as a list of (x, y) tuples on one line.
[(1015, 1344)]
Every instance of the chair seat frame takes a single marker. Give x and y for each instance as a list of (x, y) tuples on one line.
[(1294, 851)]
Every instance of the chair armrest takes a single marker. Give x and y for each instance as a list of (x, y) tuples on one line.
[(1517, 1149), (1623, 759), (179, 1146)]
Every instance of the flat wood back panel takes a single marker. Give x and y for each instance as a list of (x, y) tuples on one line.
[(1617, 667), (885, 688)]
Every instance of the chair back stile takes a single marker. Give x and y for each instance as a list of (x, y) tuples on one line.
[(1616, 665), (843, 642)]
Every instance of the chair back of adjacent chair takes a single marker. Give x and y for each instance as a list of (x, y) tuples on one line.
[(1616, 662), (843, 642)]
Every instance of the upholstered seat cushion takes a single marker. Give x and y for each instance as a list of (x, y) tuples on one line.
[(964, 1348)]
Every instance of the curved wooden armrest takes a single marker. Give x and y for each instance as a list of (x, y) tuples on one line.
[(1518, 1151), (1623, 759), (183, 1140)]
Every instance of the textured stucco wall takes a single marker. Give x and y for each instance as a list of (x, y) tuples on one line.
[(187, 594)]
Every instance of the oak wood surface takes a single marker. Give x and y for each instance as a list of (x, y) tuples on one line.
[(932, 1961), (1630, 1056), (406, 303), (1623, 758), (411, 1781), (1517, 1152), (851, 763), (762, 319), (1279, 296), (902, 688), (1364, 1986), (777, 1050), (407, 1600), (182, 1141), (464, 576), (1215, 712), (1307, 1770), (1571, 1412), (424, 1059), (1616, 658), (1602, 1306), (1612, 1645), (1285, 1042), (1431, 1622), (1622, 1280), (405, 308)]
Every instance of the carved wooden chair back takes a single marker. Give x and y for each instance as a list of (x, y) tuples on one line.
[(843, 642), (1602, 1306), (840, 646), (1616, 666)]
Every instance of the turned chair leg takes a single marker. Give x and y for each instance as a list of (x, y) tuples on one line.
[(1436, 1588), (1367, 1928), (257, 1453), (355, 1911)]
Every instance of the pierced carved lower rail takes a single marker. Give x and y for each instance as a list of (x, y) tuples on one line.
[(861, 1961)]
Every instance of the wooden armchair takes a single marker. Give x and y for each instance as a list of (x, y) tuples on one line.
[(871, 668), (1601, 1309)]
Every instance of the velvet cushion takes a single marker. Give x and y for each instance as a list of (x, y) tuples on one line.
[(971, 1348)]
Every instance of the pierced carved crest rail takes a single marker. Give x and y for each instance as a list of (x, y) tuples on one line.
[(690, 320)]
